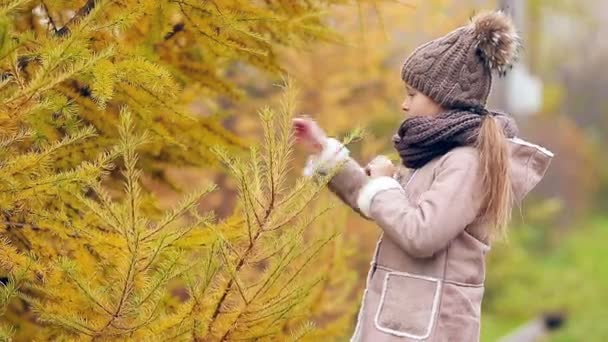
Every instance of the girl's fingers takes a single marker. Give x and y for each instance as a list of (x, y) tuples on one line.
[(303, 134), (380, 166), (308, 130)]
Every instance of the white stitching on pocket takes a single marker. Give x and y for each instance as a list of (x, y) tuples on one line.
[(434, 307)]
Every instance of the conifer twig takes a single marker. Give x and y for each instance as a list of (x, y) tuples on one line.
[(21, 225), (83, 11), (48, 14)]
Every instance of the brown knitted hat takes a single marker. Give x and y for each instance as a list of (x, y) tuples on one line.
[(456, 70)]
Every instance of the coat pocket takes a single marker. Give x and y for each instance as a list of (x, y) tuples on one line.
[(408, 305)]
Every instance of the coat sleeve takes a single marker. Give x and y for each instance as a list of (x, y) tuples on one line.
[(347, 181), (421, 229)]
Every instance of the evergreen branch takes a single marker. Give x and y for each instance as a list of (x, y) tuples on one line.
[(93, 208), (299, 231), (88, 293), (20, 237), (156, 305), (151, 317), (76, 176), (132, 193), (181, 4), (156, 253), (106, 203), (162, 245), (132, 200), (285, 262), (12, 5), (180, 333), (37, 95), (260, 318), (16, 280), (162, 102), (128, 144), (280, 312), (234, 278), (189, 315), (72, 324), (295, 303), (28, 160), (270, 146), (265, 286), (20, 136), (228, 288), (274, 253), (82, 12), (296, 191), (248, 195), (39, 86), (208, 274), (249, 225), (255, 175), (165, 275), (49, 16), (270, 279), (307, 261), (20, 225), (314, 218), (260, 336), (240, 264), (266, 116), (304, 330), (6, 332), (225, 242), (181, 209), (126, 289)]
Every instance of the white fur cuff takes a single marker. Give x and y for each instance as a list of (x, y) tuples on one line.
[(333, 154), (371, 189)]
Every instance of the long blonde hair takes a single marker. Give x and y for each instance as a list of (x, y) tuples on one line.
[(494, 160)]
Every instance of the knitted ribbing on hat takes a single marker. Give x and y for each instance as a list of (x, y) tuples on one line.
[(456, 70), (420, 139)]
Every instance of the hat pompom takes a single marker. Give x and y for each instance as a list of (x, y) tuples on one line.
[(497, 40)]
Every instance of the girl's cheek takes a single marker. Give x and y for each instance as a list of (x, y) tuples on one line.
[(413, 106)]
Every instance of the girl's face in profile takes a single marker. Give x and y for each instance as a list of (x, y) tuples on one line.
[(418, 104)]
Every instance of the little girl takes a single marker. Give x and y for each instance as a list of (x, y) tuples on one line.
[(426, 280)]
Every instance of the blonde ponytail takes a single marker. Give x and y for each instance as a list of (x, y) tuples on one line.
[(494, 157)]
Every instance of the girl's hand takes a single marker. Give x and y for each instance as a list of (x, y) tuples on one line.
[(380, 166), (309, 135)]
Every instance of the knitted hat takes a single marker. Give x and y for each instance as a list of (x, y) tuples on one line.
[(456, 70)]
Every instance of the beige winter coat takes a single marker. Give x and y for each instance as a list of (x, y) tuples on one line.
[(426, 280)]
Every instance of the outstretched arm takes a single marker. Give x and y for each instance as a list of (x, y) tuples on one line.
[(426, 226), (328, 154), (348, 179)]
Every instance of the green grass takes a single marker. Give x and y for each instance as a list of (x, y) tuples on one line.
[(527, 277)]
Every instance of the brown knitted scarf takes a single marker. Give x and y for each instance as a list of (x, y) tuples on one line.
[(421, 138)]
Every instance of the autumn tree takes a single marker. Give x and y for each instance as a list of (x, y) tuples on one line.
[(97, 94)]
